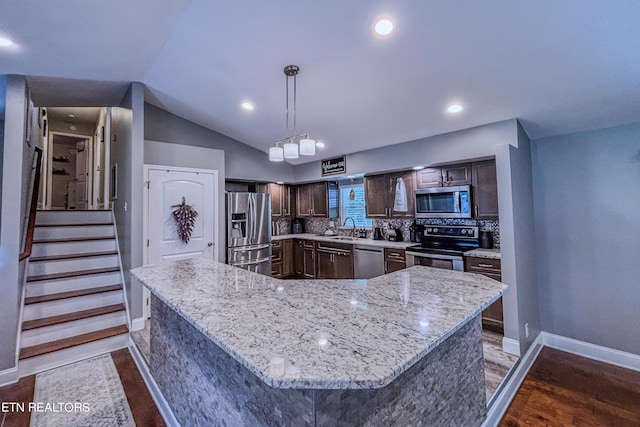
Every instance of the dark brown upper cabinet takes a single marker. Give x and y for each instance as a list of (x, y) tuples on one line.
[(445, 176), (280, 198), (380, 195), (484, 190), (318, 199)]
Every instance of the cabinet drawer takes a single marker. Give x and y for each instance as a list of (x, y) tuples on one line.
[(276, 244), (276, 269), (394, 254), (310, 244), (335, 247), (486, 264), (276, 255)]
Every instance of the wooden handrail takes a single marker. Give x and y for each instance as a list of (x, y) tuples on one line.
[(26, 253)]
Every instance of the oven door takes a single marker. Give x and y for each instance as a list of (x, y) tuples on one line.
[(445, 262), (444, 202)]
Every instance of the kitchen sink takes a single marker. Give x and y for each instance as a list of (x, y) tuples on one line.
[(344, 238)]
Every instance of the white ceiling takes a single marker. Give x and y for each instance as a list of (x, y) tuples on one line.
[(559, 66)]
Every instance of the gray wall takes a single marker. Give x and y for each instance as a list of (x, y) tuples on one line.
[(241, 160), (160, 153), (13, 149), (517, 240), (461, 145), (587, 209), (127, 149)]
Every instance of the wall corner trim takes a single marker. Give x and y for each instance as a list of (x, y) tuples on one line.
[(9, 376), (137, 324), (608, 355), (511, 346)]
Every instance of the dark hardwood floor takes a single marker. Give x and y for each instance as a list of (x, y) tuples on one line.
[(143, 408), (563, 389)]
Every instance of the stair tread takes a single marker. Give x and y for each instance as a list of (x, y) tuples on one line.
[(76, 224), (74, 239), (70, 317), (68, 274), (71, 294), (49, 347), (72, 256)]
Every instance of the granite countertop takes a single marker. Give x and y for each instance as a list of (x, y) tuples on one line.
[(340, 334), (356, 241), (484, 253)]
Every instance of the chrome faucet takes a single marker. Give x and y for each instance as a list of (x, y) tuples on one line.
[(353, 232)]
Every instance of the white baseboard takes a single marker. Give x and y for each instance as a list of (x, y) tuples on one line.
[(137, 324), (511, 346), (592, 351), (156, 394), (509, 390), (9, 376)]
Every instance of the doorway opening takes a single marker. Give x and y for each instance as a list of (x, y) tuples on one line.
[(75, 172)]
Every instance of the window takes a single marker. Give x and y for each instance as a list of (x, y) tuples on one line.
[(352, 204)]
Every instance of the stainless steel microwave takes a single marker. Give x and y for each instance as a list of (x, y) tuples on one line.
[(444, 202)]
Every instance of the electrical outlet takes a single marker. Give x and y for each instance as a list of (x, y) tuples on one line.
[(125, 206), (526, 330), (332, 224)]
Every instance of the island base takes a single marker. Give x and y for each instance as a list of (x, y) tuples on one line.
[(205, 386)]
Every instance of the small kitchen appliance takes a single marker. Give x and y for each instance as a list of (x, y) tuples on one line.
[(377, 234), (486, 239), (297, 226), (415, 232)]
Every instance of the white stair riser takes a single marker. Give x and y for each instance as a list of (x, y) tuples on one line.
[(68, 265), (48, 361), (68, 248), (76, 231), (47, 287), (70, 329), (71, 217), (70, 305)]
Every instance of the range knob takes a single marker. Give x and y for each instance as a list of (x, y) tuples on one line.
[(429, 230), (435, 230), (463, 231)]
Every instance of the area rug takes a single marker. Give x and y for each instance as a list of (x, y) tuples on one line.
[(86, 393)]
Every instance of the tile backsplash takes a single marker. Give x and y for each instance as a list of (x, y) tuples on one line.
[(320, 225)]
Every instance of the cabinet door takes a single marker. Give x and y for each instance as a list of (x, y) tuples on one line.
[(325, 264), (298, 255), (287, 257), (276, 200), (456, 174), (287, 200), (394, 265), (303, 200), (343, 265), (394, 260), (409, 186), (319, 202), (429, 177), (309, 261), (484, 190), (375, 194)]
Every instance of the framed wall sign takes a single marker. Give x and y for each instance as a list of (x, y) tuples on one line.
[(334, 166)]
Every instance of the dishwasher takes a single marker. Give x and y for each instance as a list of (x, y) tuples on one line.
[(369, 261)]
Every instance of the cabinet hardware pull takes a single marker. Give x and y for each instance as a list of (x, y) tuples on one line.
[(486, 265)]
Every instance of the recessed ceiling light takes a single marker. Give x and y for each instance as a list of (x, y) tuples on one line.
[(418, 168), (320, 144), (5, 42), (351, 176), (383, 27), (279, 182), (73, 127), (248, 106), (455, 108), (72, 116)]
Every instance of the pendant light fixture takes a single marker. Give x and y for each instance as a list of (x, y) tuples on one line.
[(290, 149)]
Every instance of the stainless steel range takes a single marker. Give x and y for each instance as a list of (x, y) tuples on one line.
[(444, 246)]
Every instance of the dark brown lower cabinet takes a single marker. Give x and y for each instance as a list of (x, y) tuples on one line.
[(282, 258), (492, 317), (304, 255), (334, 261), (394, 260)]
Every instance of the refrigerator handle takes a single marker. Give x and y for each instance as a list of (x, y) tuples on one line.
[(250, 219), (254, 214)]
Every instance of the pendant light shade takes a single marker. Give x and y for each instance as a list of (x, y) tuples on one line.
[(276, 154), (307, 147), (290, 150)]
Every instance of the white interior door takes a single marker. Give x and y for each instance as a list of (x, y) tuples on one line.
[(166, 188), (81, 175)]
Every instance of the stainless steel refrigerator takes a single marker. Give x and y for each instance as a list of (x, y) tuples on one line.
[(249, 231)]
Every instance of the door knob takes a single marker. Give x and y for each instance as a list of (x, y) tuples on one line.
[(210, 244)]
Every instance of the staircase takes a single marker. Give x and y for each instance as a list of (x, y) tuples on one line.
[(74, 304)]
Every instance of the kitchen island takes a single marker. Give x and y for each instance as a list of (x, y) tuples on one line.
[(233, 347)]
